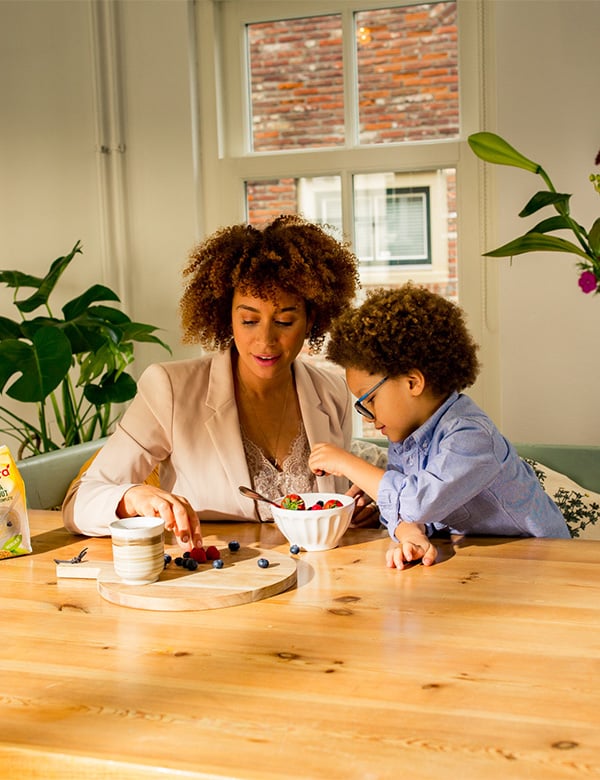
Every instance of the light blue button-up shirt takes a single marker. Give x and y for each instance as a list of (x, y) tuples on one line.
[(457, 471)]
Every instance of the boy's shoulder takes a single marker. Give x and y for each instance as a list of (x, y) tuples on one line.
[(460, 410)]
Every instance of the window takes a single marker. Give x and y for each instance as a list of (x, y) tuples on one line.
[(354, 113), (315, 104)]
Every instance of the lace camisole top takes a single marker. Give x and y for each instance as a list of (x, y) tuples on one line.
[(294, 477)]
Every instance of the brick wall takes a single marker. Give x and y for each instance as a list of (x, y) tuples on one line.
[(407, 74)]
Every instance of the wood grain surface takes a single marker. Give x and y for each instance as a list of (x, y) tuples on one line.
[(239, 581), (482, 667)]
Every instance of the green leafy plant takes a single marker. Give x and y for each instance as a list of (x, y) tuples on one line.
[(578, 509), (494, 149), (72, 369)]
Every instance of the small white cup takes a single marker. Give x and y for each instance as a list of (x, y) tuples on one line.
[(138, 546)]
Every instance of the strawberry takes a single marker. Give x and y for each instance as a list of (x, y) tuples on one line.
[(332, 503), (293, 501)]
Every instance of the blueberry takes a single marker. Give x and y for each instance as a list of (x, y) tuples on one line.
[(218, 564), (168, 559), (263, 563), (191, 564), (179, 561), (186, 554), (294, 549), (234, 546)]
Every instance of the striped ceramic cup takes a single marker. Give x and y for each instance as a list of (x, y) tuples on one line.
[(138, 546)]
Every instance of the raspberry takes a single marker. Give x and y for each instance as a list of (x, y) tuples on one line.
[(217, 563), (198, 554), (263, 563), (234, 546), (212, 553)]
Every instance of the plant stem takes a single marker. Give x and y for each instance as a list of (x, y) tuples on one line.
[(580, 234)]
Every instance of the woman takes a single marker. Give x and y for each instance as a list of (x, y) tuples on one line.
[(248, 412)]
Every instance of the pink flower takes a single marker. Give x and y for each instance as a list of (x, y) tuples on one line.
[(587, 282)]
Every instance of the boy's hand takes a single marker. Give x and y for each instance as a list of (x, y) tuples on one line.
[(328, 459), (413, 545)]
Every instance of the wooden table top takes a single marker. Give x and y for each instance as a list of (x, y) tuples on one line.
[(483, 666)]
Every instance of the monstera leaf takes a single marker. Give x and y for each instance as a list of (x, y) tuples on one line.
[(71, 368), (41, 365)]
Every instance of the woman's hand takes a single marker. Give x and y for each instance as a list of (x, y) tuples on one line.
[(413, 545), (366, 512), (176, 511)]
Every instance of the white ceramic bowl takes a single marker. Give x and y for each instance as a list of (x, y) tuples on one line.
[(314, 529)]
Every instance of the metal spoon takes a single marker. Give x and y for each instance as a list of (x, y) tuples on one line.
[(249, 493)]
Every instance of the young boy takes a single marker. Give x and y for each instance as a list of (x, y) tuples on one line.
[(408, 355)]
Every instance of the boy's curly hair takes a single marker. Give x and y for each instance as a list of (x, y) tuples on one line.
[(407, 328), (289, 254)]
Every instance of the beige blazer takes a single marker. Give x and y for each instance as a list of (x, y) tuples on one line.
[(185, 417)]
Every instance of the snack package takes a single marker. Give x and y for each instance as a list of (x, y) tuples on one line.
[(14, 521)]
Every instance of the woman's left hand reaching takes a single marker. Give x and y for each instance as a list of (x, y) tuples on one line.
[(176, 511)]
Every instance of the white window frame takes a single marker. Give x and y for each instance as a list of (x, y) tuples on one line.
[(223, 162)]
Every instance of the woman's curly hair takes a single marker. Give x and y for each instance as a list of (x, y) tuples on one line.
[(397, 330), (289, 254)]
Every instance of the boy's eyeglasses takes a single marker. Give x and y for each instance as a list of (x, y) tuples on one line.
[(358, 405)]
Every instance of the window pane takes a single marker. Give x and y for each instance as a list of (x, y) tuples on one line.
[(296, 83), (408, 73), (406, 223), (317, 198), (391, 223)]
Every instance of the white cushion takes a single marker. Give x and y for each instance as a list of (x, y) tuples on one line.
[(580, 507), (373, 453)]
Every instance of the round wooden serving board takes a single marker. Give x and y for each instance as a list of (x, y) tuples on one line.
[(239, 581)]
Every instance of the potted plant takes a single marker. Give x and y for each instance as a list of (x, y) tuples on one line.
[(494, 149), (70, 369)]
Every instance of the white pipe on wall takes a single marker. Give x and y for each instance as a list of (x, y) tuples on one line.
[(110, 145)]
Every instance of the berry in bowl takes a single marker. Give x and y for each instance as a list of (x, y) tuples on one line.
[(313, 521)]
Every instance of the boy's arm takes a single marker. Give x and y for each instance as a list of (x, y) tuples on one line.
[(333, 460)]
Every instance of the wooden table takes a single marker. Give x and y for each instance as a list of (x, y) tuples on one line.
[(483, 666)]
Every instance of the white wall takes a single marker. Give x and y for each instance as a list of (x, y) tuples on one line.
[(547, 60), (548, 64), (50, 192)]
